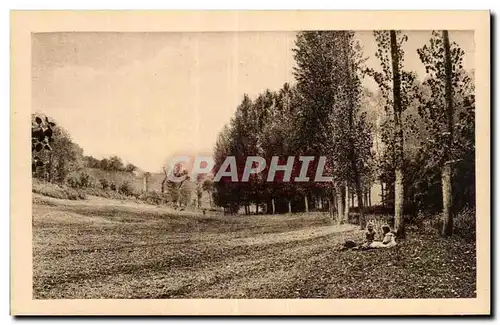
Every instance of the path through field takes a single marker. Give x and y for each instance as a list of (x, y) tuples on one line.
[(100, 248)]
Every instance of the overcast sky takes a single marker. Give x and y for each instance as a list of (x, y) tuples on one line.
[(148, 96)]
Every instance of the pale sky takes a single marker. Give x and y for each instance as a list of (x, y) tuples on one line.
[(148, 96)]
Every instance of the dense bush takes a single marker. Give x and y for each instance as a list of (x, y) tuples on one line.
[(126, 188), (73, 194), (465, 224), (104, 183), (81, 179), (73, 181), (58, 191), (85, 180)]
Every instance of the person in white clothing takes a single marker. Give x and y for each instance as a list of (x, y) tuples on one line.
[(388, 241)]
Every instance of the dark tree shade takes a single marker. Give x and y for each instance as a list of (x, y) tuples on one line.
[(41, 138)]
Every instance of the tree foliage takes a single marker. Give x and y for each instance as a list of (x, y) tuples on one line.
[(112, 163), (41, 138), (59, 155), (313, 117), (437, 148)]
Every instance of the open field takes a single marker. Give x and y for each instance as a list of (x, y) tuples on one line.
[(99, 248)]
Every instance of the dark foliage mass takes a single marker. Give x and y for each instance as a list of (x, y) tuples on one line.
[(41, 139), (320, 115), (113, 163)]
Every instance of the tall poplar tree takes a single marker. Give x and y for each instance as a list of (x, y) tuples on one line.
[(448, 108)]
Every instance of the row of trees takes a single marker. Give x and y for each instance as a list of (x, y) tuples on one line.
[(321, 115), (181, 192), (423, 129), (113, 163)]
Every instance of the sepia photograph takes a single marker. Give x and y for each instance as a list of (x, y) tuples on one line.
[(255, 164)]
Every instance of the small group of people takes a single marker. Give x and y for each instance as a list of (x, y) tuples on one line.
[(388, 239)]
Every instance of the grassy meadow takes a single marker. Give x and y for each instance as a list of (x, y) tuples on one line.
[(105, 248)]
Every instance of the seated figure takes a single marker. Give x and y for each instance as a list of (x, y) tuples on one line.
[(388, 241), (370, 235)]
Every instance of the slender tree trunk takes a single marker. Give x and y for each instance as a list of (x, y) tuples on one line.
[(49, 178), (338, 213), (382, 195), (165, 180), (346, 206), (370, 197), (398, 203), (359, 195), (352, 150), (447, 171), (398, 186), (330, 208), (340, 205), (289, 206), (256, 208), (306, 203), (334, 201), (274, 207), (331, 203), (447, 229)]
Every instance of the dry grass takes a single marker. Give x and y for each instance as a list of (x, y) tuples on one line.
[(101, 248)]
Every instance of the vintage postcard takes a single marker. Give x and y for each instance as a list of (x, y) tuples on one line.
[(250, 163)]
